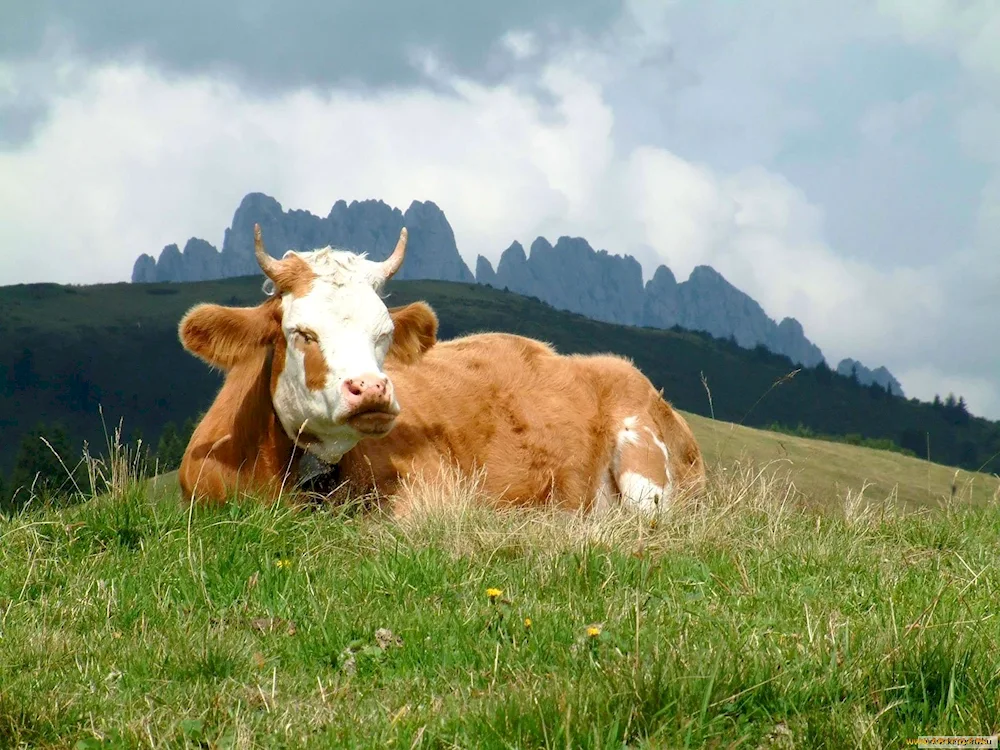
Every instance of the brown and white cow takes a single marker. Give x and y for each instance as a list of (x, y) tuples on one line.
[(324, 366)]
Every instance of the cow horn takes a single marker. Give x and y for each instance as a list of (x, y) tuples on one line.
[(391, 264), (270, 266)]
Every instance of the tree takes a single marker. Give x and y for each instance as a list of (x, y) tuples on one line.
[(23, 374), (955, 410), (170, 448), (46, 464), (968, 452), (914, 440), (823, 372), (188, 430), (876, 389)]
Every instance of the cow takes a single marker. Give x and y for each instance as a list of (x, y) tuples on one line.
[(324, 366)]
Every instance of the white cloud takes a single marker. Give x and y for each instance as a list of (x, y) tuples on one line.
[(522, 45), (885, 122), (928, 381), (759, 231), (970, 29)]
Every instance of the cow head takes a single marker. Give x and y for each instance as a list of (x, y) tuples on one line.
[(330, 332)]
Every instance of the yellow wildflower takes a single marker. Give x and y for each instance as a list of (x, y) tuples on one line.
[(593, 631), (493, 594), (283, 563), (527, 622)]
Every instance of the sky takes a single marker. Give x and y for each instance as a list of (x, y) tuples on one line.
[(838, 160)]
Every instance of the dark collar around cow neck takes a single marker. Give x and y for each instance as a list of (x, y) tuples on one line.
[(316, 475)]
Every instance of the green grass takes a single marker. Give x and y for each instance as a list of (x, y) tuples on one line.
[(750, 619)]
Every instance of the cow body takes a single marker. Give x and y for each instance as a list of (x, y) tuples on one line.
[(323, 366), (538, 427), (541, 428)]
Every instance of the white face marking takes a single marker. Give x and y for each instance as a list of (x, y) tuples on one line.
[(353, 331)]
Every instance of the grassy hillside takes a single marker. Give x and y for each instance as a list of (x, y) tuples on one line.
[(69, 350), (821, 472), (749, 620)]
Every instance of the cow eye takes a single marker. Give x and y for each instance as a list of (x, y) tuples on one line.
[(308, 336)]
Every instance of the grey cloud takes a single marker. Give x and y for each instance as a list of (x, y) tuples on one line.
[(18, 121), (275, 45), (267, 46)]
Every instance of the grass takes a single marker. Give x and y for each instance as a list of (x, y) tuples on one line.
[(773, 613), (820, 469)]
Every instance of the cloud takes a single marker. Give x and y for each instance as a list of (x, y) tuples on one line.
[(929, 380), (134, 159), (760, 232), (521, 44), (969, 29), (886, 121), (271, 46)]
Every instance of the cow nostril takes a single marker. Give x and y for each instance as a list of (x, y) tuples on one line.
[(366, 386)]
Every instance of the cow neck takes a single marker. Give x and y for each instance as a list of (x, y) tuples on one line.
[(309, 469)]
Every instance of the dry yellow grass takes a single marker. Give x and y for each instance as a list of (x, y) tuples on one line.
[(824, 471)]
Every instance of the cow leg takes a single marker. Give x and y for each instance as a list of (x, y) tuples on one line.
[(641, 466)]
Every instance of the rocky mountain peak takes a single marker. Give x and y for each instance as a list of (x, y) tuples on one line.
[(880, 375), (569, 274), (369, 226)]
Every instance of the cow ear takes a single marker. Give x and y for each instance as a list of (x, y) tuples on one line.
[(225, 336), (415, 331)]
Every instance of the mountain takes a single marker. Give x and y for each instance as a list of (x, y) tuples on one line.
[(707, 302), (569, 275), (572, 276), (879, 375), (363, 226)]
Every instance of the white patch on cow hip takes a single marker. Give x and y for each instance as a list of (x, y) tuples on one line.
[(603, 496), (642, 494), (666, 455)]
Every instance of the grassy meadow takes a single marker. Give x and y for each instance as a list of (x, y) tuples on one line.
[(819, 595)]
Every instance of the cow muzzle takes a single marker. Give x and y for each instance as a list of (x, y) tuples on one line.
[(370, 407)]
